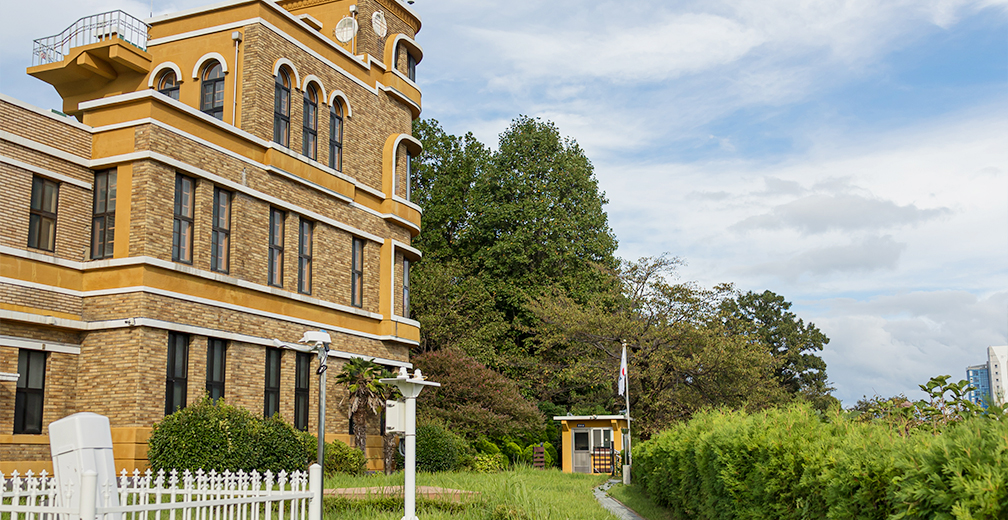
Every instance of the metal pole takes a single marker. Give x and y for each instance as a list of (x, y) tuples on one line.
[(89, 494), (410, 484), (323, 355)]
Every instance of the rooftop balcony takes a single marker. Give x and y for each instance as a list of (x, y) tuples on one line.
[(97, 55)]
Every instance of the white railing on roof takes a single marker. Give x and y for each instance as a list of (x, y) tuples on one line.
[(91, 29), (189, 496)]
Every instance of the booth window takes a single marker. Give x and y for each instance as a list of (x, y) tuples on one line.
[(30, 394), (178, 369), (212, 90), (281, 109), (168, 84), (103, 215), (42, 220)]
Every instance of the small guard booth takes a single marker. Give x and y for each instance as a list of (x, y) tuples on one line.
[(591, 443)]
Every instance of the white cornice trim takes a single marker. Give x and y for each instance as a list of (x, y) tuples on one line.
[(157, 71), (44, 148), (280, 62), (407, 203), (32, 108), (170, 266), (46, 173), (34, 344), (216, 56)]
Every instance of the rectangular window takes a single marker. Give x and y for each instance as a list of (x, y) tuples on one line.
[(215, 358), (103, 215), (411, 67), (357, 273), (305, 257), (271, 400), (405, 288), (178, 370), (182, 230), (409, 176), (302, 373), (220, 241), (29, 397), (42, 220), (276, 245), (336, 136)]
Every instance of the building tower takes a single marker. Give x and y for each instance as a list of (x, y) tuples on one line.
[(229, 175)]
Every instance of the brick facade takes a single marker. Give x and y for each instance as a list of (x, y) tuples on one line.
[(104, 324)]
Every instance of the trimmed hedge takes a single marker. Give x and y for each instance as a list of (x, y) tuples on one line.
[(793, 463), (218, 436), (340, 458)]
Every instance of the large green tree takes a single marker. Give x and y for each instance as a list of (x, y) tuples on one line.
[(766, 317)]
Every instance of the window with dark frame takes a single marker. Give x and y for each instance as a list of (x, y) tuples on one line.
[(103, 215), (405, 288), (42, 214), (307, 229), (281, 108), (409, 175), (212, 90), (302, 375), (357, 273), (336, 136), (178, 369), (271, 399), (29, 398), (411, 67), (215, 360), (276, 246), (182, 228), (220, 238), (309, 136), (168, 84)]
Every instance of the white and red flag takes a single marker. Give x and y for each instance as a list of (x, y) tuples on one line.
[(622, 373)]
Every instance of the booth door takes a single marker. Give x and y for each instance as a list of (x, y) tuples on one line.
[(582, 451)]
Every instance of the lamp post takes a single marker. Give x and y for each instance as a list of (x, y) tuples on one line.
[(410, 387), (321, 339)]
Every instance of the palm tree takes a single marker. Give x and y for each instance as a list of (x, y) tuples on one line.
[(361, 379)]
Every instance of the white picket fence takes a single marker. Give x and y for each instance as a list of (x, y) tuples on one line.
[(191, 496)]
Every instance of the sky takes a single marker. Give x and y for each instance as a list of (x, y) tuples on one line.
[(849, 155)]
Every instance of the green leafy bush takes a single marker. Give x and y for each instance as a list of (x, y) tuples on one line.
[(218, 436), (512, 451), (798, 463), (436, 448), (340, 458), (487, 463), (483, 445), (528, 455)]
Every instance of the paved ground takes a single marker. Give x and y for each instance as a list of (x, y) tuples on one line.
[(612, 505), (435, 493)]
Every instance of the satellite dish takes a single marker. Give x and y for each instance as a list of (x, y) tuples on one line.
[(346, 29), (378, 24)]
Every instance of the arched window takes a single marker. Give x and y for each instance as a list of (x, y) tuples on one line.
[(168, 84), (281, 108), (309, 139), (336, 136), (212, 88)]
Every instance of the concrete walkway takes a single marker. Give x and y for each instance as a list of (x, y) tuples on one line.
[(612, 505)]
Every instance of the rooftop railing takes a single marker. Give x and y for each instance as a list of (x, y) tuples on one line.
[(91, 29)]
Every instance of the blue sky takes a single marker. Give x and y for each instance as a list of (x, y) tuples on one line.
[(850, 155)]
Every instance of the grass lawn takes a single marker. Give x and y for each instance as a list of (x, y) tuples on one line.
[(521, 494), (634, 498)]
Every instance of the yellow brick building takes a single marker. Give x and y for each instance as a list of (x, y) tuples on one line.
[(225, 176)]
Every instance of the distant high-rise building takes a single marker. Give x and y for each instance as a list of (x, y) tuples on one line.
[(989, 379)]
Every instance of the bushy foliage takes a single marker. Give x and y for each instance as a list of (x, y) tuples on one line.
[(437, 448), (483, 445), (528, 455), (218, 436), (340, 458), (799, 463), (474, 400), (489, 463), (512, 451)]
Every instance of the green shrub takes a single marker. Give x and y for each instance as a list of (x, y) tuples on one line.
[(437, 448), (512, 451), (340, 458), (797, 463), (528, 455), (487, 463), (483, 445), (218, 436)]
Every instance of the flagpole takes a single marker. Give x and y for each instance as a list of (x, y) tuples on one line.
[(626, 392)]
